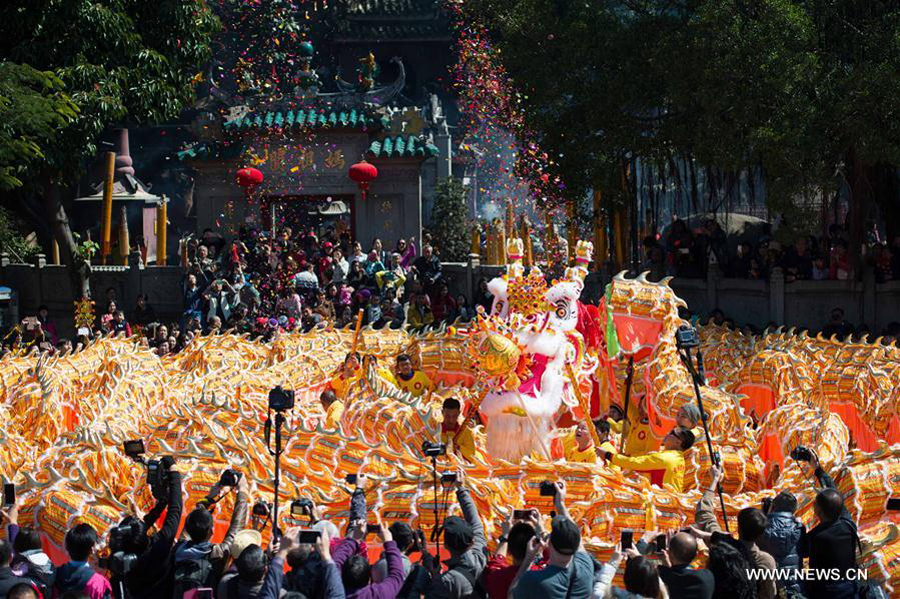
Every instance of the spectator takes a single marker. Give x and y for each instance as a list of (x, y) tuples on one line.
[(751, 527), (324, 306), (681, 580), (569, 571), (460, 442), (819, 269), (47, 324), (729, 566), (246, 582), (837, 327), (339, 267), (198, 562), (357, 276), (641, 578), (419, 315), (29, 560), (120, 325), (143, 314), (23, 590), (355, 569), (427, 268), (393, 278), (514, 538), (444, 306), (8, 580), (483, 296), (407, 251), (150, 574), (77, 574), (832, 543), (415, 578), (332, 587), (374, 265), (465, 542), (464, 312), (782, 540), (664, 467), (839, 262)]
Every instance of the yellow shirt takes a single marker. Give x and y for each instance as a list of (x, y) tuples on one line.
[(665, 468), (417, 385), (333, 415), (341, 386), (465, 444), (615, 425), (573, 454), (639, 439), (607, 446), (387, 376)]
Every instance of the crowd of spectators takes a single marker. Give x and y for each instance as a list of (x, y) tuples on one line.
[(687, 253), (534, 556)]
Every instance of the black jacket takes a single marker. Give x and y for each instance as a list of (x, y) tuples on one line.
[(687, 583), (150, 575), (782, 541), (8, 580), (830, 545)]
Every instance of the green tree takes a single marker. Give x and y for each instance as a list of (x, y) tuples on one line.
[(802, 90), (449, 228), (123, 62), (33, 106), (11, 240)]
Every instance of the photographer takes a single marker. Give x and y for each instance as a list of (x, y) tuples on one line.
[(782, 538), (833, 542), (354, 567), (29, 558), (198, 563), (149, 574), (570, 570), (751, 526), (466, 544), (272, 586), (408, 541), (514, 538)]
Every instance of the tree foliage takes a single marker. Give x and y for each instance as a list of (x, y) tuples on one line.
[(33, 106), (123, 62), (789, 86), (449, 227)]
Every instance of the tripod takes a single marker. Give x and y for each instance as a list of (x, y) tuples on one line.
[(698, 378), (279, 422), (436, 531)]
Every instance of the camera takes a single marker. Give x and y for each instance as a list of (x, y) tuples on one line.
[(119, 562), (686, 337), (448, 478), (548, 489), (433, 450), (801, 454), (301, 507), (134, 449), (230, 478), (280, 399), (158, 479), (261, 509)]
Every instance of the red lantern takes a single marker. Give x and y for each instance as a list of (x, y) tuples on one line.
[(363, 173), (249, 177)]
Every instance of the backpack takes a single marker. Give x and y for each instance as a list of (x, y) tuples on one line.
[(189, 574)]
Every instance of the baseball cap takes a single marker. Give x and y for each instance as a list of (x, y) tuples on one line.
[(564, 535), (244, 539), (458, 533)]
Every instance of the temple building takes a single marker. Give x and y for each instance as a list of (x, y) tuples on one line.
[(391, 116)]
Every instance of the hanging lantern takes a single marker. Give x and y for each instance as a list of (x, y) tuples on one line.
[(363, 173), (248, 178)]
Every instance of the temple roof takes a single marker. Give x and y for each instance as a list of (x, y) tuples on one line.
[(306, 119), (406, 146), (401, 20)]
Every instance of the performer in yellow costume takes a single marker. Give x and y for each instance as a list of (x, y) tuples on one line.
[(334, 409), (415, 382), (664, 467), (639, 438), (349, 374), (578, 445), (465, 444)]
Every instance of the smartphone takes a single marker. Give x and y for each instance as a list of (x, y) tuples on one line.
[(308, 537), (627, 538), (373, 529), (893, 504), (661, 543), (521, 514), (548, 489), (9, 494), (204, 594), (351, 479)]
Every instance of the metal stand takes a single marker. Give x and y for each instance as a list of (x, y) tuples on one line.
[(279, 422), (629, 375), (436, 531), (698, 378)]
